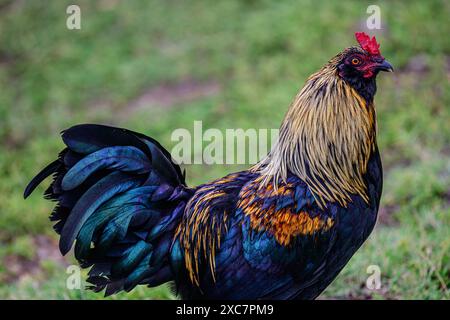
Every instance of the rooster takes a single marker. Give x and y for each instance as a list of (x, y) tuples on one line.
[(282, 229)]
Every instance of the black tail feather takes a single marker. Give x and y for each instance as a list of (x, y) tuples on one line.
[(123, 221), (47, 171)]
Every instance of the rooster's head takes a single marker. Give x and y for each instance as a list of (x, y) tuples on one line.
[(364, 62)]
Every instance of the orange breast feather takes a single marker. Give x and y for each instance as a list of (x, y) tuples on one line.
[(262, 205)]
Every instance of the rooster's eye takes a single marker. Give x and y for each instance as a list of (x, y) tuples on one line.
[(355, 61)]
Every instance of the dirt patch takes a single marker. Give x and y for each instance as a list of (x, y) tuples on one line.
[(446, 198), (18, 267), (167, 95), (6, 4), (447, 65), (418, 65), (164, 95), (47, 249), (413, 72), (7, 58), (385, 215)]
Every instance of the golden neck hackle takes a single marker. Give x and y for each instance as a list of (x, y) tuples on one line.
[(326, 139)]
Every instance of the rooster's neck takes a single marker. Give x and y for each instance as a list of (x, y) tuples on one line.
[(326, 139), (366, 88)]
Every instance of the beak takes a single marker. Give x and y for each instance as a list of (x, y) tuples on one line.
[(384, 66)]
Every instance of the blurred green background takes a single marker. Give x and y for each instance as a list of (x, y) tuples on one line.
[(154, 66)]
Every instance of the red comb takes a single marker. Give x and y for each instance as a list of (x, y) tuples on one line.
[(369, 45)]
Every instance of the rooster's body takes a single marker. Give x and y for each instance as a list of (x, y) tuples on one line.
[(281, 230)]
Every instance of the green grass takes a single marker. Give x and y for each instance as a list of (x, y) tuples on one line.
[(259, 53)]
